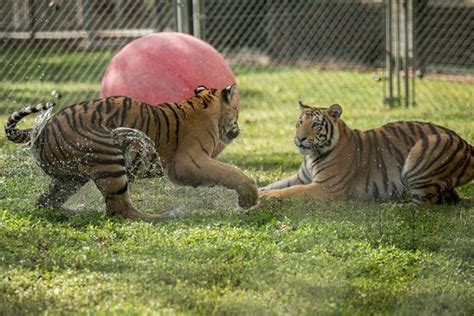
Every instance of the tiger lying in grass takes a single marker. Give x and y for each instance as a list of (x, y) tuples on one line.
[(94, 140), (423, 160)]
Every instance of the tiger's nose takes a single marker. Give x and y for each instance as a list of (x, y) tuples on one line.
[(300, 139)]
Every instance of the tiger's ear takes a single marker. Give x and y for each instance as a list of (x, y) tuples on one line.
[(199, 89), (229, 93), (335, 111), (303, 106)]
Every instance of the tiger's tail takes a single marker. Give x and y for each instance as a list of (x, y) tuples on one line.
[(23, 135)]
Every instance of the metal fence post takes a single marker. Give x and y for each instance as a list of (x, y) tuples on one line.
[(397, 50), (197, 16), (87, 21), (398, 33), (189, 17), (414, 64), (184, 21), (22, 15), (388, 53), (406, 56)]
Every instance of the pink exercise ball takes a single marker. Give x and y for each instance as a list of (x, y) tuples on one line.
[(165, 67)]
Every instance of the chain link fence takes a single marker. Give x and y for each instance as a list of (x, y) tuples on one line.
[(392, 52)]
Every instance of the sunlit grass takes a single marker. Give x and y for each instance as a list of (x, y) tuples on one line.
[(293, 257)]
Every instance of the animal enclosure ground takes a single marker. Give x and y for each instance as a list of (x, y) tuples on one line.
[(293, 257)]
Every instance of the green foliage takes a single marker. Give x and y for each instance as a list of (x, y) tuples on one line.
[(292, 257)]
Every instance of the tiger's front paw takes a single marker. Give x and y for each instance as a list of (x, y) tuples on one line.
[(275, 195), (249, 198), (263, 189)]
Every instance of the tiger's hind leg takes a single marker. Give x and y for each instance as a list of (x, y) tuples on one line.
[(434, 167), (433, 195), (449, 197), (138, 159), (59, 191), (114, 186)]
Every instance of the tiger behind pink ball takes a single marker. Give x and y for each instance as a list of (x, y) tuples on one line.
[(165, 67)]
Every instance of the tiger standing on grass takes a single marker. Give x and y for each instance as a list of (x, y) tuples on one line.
[(423, 160), (102, 140)]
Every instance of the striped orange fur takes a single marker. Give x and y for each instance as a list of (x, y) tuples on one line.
[(99, 140), (423, 161)]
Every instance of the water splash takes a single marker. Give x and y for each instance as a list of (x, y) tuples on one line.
[(141, 157), (88, 199), (158, 195), (150, 195), (56, 94), (40, 122), (20, 163)]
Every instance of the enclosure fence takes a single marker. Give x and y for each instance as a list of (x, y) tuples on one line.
[(401, 47)]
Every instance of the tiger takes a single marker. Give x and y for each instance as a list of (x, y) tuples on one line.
[(400, 161), (98, 141)]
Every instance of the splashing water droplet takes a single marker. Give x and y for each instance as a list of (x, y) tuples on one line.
[(40, 122), (141, 157), (56, 94)]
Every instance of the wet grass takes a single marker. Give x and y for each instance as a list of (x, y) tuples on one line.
[(294, 257)]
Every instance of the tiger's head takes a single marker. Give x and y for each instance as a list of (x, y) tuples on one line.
[(316, 129), (223, 103)]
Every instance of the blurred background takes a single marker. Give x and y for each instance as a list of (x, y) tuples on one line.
[(386, 53)]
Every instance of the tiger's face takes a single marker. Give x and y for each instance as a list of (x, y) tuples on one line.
[(228, 124), (229, 113), (316, 129)]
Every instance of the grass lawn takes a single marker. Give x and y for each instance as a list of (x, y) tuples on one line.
[(293, 257)]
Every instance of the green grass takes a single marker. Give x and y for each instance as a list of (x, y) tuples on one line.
[(293, 257)]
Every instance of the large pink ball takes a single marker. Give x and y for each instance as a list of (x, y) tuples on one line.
[(165, 67)]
